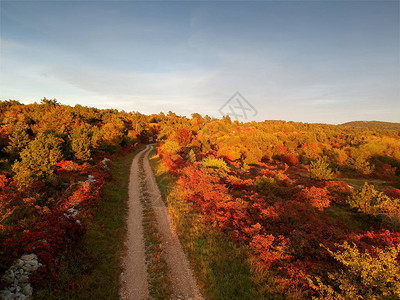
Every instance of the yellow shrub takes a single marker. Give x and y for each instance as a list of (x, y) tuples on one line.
[(363, 276)]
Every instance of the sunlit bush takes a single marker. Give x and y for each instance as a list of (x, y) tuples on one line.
[(339, 156), (80, 144), (215, 163), (19, 139), (363, 275), (358, 162), (171, 147), (290, 159), (319, 170), (38, 159), (316, 197), (367, 199), (191, 156)]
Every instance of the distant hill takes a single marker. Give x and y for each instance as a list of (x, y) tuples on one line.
[(373, 125)]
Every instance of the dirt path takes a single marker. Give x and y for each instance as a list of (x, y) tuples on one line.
[(135, 278)]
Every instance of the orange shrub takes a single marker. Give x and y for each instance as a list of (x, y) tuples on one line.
[(290, 159), (316, 197)]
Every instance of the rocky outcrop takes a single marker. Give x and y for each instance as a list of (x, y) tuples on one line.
[(17, 278)]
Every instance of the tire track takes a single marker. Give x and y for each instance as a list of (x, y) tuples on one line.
[(135, 278), (184, 285)]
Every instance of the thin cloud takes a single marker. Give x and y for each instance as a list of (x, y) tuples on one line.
[(304, 61)]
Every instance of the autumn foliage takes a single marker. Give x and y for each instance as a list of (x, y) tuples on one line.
[(316, 206), (281, 189), (52, 176)]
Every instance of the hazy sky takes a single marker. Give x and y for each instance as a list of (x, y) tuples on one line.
[(326, 61)]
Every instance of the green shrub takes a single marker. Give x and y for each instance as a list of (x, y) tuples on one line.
[(266, 184), (359, 163), (38, 159), (215, 163), (81, 144), (19, 139), (367, 199), (319, 170), (171, 147), (363, 276), (191, 156)]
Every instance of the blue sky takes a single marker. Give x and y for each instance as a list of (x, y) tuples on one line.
[(326, 61)]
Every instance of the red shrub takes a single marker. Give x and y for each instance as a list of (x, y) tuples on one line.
[(290, 159), (46, 237), (316, 197), (394, 193), (263, 244), (373, 240), (68, 165), (3, 180)]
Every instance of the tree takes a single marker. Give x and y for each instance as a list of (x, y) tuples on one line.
[(182, 136), (81, 144), (19, 139), (112, 132), (7, 196), (49, 102), (338, 156), (57, 119), (38, 159)]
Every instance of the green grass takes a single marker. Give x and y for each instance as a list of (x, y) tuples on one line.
[(357, 183), (223, 269), (91, 270), (354, 220)]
